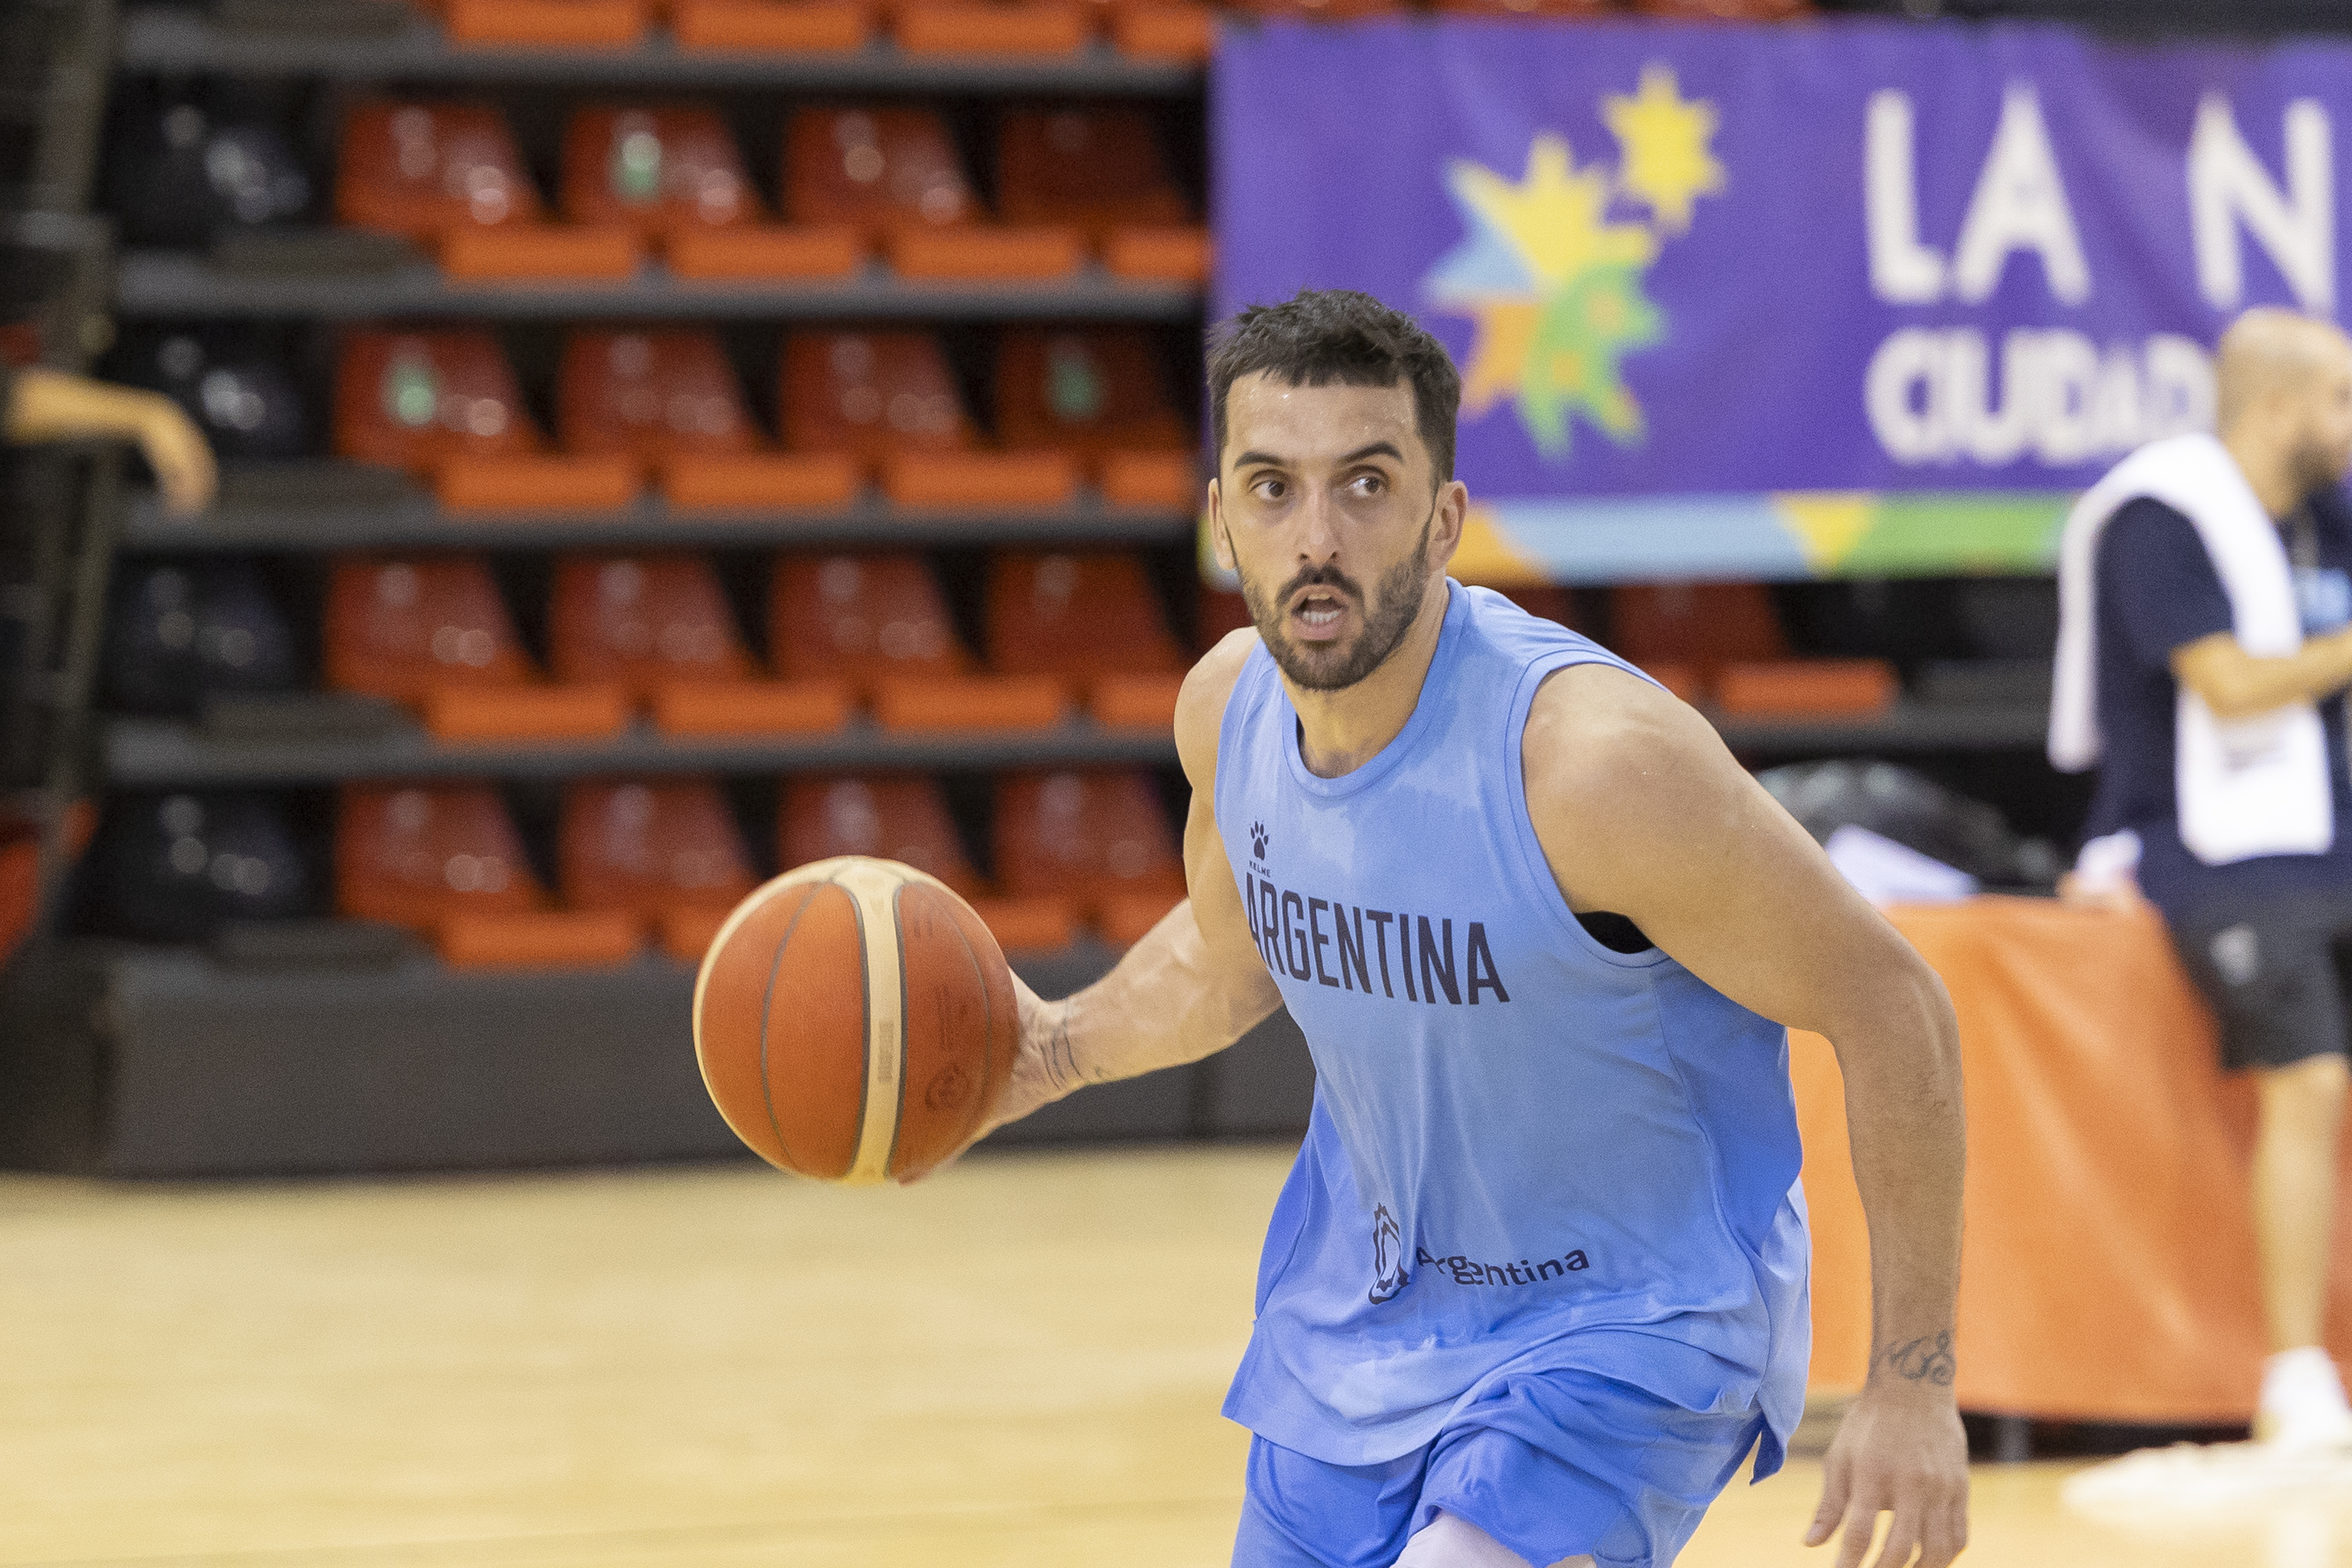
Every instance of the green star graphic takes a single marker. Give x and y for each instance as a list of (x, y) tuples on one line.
[(1573, 358)]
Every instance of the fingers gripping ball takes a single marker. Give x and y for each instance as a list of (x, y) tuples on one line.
[(855, 1022)]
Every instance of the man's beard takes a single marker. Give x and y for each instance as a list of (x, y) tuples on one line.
[(1334, 669), (2317, 466)]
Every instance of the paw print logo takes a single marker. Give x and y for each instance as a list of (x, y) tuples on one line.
[(1257, 840)]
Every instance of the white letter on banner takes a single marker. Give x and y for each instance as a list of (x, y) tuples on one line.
[(1990, 437), (2115, 417), (1902, 271), (2180, 388), (2020, 204), (2227, 185), (1903, 392), (2066, 371)]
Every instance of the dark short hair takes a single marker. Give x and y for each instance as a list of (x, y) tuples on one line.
[(1326, 337)]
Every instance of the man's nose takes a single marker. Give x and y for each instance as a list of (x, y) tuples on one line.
[(1319, 533)]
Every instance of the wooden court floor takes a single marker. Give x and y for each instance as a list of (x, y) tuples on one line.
[(1016, 1364)]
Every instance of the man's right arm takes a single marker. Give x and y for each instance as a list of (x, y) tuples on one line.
[(1195, 983), (2166, 601), (2238, 685)]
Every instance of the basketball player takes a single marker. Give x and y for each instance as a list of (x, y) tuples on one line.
[(1537, 1284)]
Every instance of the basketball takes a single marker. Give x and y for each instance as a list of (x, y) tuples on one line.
[(855, 1022)]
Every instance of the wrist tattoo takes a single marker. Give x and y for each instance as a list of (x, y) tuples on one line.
[(1061, 1063), (1925, 1360)]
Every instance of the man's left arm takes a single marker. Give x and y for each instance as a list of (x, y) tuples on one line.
[(1643, 812)]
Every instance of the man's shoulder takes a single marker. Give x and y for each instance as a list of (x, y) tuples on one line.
[(1201, 705), (2143, 517), (1596, 731), (2151, 539)]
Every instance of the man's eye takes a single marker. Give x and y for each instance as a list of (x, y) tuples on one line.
[(1269, 489), (1369, 484)]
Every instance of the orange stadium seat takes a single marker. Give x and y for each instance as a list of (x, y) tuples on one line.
[(659, 170), (1685, 632), (1178, 31), (1725, 10), (771, 27), (1092, 392), (870, 394), (431, 632), (1099, 169), (1078, 617), (880, 170), (412, 400), (641, 622), (1097, 839), (1797, 689), (991, 27), (879, 624), (1097, 396), (445, 404), (414, 854), (751, 707), (1322, 10), (670, 400), (901, 819), (860, 619), (1550, 602), (425, 169), (1221, 610), (555, 24), (653, 395), (400, 628), (1530, 7), (650, 848), (890, 401)]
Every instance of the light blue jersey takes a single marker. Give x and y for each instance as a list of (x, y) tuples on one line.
[(1528, 1153)]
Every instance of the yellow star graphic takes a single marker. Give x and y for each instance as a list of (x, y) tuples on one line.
[(1664, 137), (1554, 215)]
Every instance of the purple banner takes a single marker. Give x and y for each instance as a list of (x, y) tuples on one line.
[(1841, 257)]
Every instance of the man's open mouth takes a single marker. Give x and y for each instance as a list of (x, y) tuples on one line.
[(1319, 609)]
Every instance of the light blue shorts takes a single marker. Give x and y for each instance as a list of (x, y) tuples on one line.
[(1553, 1465)]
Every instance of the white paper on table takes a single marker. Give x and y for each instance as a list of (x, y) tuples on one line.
[(1885, 871)]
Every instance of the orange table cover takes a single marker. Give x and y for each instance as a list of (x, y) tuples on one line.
[(2109, 1271)]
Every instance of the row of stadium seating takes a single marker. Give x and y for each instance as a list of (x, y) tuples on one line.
[(854, 407), (1088, 848), (1072, 406), (657, 629), (1161, 29), (874, 630), (852, 181)]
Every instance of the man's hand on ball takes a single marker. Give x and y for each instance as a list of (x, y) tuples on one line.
[(1043, 1070), (1035, 1082)]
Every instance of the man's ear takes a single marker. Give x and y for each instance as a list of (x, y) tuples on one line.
[(1220, 542), (1452, 514)]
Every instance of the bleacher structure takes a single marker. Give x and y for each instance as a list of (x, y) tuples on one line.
[(663, 444)]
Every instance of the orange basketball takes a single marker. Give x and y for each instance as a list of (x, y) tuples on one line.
[(855, 1020)]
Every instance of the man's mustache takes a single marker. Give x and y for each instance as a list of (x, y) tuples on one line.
[(1320, 577)]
